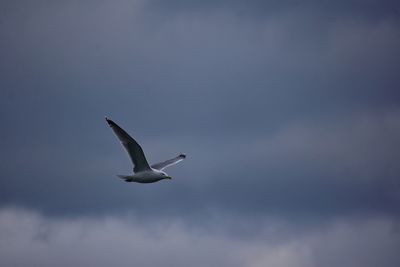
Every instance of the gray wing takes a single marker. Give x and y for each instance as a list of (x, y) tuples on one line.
[(134, 150), (162, 165)]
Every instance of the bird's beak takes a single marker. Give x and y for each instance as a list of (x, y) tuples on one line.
[(169, 177)]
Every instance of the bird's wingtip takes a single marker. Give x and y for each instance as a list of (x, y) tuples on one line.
[(108, 120), (182, 156)]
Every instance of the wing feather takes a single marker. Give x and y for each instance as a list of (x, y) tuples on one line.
[(162, 165), (134, 150)]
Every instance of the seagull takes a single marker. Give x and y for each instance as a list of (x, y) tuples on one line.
[(142, 171)]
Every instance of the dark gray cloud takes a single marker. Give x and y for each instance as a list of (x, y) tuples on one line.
[(213, 80), (372, 9), (287, 111)]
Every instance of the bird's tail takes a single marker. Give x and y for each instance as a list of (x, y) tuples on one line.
[(127, 178)]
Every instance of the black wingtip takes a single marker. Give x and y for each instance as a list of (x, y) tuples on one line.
[(110, 122), (182, 156)]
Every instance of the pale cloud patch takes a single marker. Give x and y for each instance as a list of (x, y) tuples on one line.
[(30, 239)]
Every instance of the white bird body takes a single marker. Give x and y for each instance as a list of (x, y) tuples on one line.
[(143, 172), (148, 176)]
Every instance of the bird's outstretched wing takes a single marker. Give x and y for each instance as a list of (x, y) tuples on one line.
[(162, 165), (134, 150)]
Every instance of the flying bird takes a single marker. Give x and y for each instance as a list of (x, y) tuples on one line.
[(142, 171)]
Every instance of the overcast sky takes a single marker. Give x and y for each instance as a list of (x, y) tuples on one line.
[(288, 111)]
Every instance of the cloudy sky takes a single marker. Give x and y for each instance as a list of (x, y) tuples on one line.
[(288, 111)]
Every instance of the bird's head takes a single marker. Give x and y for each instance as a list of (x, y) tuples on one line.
[(165, 175)]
